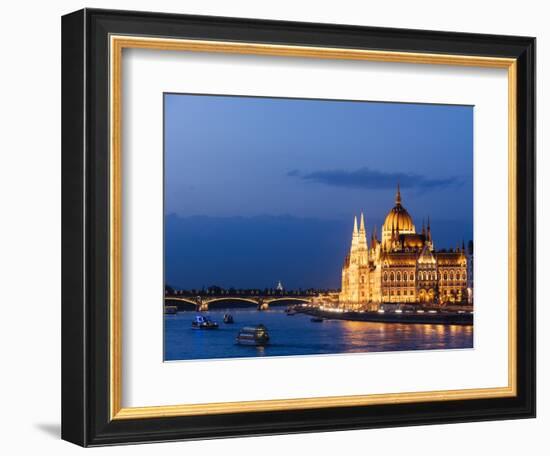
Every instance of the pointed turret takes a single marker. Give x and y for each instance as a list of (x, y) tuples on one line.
[(363, 233), (423, 228), (355, 239), (398, 195), (373, 240)]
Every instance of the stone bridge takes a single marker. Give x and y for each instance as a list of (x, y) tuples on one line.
[(203, 303)]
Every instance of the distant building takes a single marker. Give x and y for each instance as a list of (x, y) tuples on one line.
[(279, 286), (403, 267), (470, 284)]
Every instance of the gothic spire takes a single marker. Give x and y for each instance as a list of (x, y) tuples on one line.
[(398, 195), (355, 231), (362, 227)]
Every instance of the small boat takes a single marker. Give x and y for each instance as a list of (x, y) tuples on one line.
[(317, 320), (202, 322), (228, 319), (170, 310), (256, 335)]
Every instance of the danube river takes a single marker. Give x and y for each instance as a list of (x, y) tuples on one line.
[(298, 335)]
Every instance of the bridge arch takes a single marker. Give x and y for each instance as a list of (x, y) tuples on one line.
[(223, 302), (182, 303), (284, 299)]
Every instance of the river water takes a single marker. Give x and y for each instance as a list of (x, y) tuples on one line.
[(298, 335)]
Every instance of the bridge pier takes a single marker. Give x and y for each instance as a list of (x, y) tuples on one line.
[(202, 307), (262, 305)]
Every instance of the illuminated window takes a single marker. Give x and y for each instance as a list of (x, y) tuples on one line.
[(392, 277), (445, 276), (398, 276), (385, 276)]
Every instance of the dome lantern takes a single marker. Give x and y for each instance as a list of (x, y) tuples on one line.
[(398, 220)]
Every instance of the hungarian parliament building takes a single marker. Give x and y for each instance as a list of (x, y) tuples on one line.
[(403, 267)]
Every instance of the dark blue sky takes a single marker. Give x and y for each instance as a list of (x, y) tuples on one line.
[(265, 189)]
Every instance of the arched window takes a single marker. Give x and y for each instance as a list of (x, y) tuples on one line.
[(463, 276), (362, 279), (398, 276), (445, 276), (392, 277), (411, 276), (385, 276), (452, 275), (405, 276)]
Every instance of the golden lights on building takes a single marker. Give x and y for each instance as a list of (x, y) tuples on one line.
[(403, 267)]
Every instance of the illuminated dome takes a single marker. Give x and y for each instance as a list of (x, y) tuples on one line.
[(398, 218)]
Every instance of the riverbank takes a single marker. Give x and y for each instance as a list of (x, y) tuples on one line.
[(416, 317)]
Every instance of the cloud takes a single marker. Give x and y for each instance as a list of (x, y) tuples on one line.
[(372, 179)]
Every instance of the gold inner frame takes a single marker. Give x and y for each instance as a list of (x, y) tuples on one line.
[(117, 44)]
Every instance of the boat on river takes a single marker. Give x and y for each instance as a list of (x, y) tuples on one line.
[(253, 335), (228, 319), (202, 322)]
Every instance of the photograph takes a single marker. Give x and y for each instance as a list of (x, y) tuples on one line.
[(299, 226)]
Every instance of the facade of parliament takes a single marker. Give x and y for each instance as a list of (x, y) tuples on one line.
[(403, 267)]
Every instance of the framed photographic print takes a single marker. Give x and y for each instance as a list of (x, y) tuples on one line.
[(278, 227)]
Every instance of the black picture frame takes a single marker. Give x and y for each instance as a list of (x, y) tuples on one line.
[(85, 228)]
